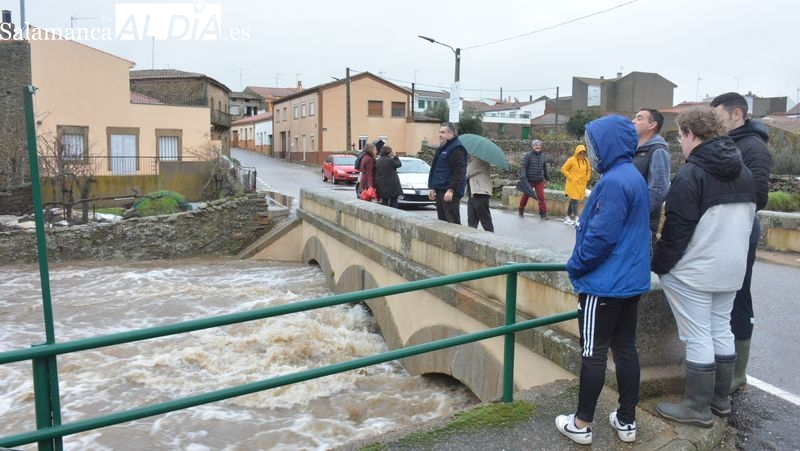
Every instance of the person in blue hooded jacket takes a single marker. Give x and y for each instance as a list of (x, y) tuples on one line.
[(610, 270)]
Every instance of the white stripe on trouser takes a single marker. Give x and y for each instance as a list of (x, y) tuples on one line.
[(589, 316)]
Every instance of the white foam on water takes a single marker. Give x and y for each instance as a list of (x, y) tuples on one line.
[(100, 298)]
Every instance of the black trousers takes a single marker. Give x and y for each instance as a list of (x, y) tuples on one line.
[(742, 316), (448, 211), (478, 210), (608, 323)]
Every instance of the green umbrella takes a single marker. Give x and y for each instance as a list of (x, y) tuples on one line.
[(483, 148)]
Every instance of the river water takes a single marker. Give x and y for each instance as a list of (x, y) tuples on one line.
[(97, 298)]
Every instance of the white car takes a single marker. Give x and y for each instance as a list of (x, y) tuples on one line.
[(414, 181), (413, 176)]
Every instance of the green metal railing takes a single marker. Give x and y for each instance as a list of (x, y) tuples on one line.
[(49, 437), (49, 430)]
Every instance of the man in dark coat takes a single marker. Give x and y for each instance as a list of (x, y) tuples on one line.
[(533, 169), (447, 179), (751, 138)]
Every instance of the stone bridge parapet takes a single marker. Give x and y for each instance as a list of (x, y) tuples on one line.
[(362, 245)]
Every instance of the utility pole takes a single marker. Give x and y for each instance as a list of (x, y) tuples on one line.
[(349, 134), (556, 109)]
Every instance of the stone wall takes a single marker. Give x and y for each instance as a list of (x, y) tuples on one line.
[(15, 74), (222, 227)]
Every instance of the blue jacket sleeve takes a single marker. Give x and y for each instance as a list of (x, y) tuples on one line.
[(603, 230), (658, 180)]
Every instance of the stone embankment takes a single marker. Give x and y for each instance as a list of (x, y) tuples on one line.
[(222, 227)]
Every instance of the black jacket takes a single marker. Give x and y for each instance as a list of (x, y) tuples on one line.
[(751, 139), (387, 183), (713, 174), (534, 167)]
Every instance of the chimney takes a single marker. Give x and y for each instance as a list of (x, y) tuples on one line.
[(619, 74), (299, 85), (530, 98)]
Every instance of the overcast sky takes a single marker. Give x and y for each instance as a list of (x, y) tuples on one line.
[(525, 47)]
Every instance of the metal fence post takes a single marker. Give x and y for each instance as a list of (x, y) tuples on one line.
[(508, 344), (45, 371)]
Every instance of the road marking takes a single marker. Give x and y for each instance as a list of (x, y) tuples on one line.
[(769, 388)]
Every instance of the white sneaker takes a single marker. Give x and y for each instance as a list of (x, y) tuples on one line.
[(566, 425), (568, 221), (626, 432)]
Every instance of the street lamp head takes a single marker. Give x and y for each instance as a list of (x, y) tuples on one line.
[(431, 40)]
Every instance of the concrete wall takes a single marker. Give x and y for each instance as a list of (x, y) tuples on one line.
[(362, 245), (780, 231)]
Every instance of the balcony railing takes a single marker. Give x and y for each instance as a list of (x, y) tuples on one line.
[(220, 118)]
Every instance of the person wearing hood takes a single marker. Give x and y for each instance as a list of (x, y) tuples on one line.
[(653, 162), (577, 172), (610, 270), (751, 138), (701, 258)]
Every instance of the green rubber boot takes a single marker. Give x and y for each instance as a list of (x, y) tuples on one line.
[(739, 371), (721, 402), (695, 407)]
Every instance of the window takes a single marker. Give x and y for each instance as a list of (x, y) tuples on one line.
[(123, 150), (168, 144), (285, 115), (398, 109), (73, 142), (362, 141), (312, 108), (296, 110), (374, 108), (421, 104), (302, 110)]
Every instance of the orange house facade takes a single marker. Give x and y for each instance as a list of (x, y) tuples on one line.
[(83, 106), (313, 123)]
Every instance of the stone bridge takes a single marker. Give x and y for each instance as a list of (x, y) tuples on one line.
[(360, 245)]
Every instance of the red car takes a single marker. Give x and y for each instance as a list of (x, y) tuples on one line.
[(339, 168)]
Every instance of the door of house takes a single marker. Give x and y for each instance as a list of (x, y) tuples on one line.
[(526, 133), (123, 154), (236, 138)]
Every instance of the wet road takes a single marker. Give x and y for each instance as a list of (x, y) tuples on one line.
[(765, 415)]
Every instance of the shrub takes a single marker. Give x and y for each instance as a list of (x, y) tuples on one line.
[(783, 201), (160, 203), (785, 161)]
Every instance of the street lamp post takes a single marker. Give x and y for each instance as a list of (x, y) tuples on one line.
[(455, 91)]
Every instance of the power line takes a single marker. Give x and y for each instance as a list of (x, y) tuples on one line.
[(551, 27), (429, 85)]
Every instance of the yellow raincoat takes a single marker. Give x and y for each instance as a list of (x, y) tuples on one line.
[(577, 171)]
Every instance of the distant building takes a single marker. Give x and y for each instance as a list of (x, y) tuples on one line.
[(313, 123), (253, 133), (175, 87), (623, 94), (246, 104), (424, 100), (269, 95)]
